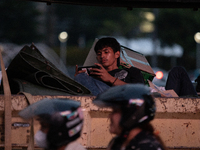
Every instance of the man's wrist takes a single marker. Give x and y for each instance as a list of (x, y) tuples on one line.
[(114, 82)]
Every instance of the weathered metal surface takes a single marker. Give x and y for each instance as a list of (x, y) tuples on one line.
[(177, 121), (183, 105)]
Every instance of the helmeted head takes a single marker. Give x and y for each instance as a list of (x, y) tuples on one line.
[(64, 118), (135, 102)]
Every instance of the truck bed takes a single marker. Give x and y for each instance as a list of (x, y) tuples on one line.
[(177, 121)]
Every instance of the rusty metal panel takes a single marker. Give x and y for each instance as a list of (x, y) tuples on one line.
[(179, 132)]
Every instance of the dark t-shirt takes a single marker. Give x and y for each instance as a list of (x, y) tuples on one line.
[(143, 141), (128, 75)]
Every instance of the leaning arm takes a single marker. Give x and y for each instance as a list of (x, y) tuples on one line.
[(115, 81)]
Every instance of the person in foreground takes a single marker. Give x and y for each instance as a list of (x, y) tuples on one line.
[(61, 122), (107, 51), (132, 110)]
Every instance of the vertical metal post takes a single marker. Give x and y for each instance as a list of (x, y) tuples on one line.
[(198, 56), (7, 105), (63, 36), (63, 52), (155, 42)]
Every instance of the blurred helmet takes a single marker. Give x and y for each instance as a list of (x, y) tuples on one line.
[(64, 117), (134, 101)]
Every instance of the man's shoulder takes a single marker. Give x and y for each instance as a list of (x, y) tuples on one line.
[(130, 68), (134, 68), (146, 141), (125, 68)]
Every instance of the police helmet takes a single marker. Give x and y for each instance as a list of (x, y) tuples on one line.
[(64, 116), (134, 100)]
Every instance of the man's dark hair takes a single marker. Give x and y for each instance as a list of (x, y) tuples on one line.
[(108, 42)]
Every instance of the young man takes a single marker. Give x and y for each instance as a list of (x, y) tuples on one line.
[(61, 122), (108, 54), (132, 110)]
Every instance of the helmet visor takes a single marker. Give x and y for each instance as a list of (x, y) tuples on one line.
[(48, 106)]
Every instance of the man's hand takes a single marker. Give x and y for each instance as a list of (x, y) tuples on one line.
[(78, 71), (101, 73), (105, 76)]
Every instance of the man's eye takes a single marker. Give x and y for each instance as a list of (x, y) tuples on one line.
[(98, 53)]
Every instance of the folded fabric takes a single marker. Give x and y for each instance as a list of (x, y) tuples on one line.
[(31, 66)]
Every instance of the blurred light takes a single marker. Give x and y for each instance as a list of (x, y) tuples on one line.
[(63, 36), (159, 75), (147, 27), (149, 16), (197, 37)]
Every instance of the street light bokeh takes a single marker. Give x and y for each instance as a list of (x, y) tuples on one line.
[(147, 26), (63, 37)]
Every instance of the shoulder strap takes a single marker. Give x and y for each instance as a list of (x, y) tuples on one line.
[(28, 96)]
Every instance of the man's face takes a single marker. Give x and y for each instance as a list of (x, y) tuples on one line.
[(107, 57), (44, 127), (115, 118), (41, 135)]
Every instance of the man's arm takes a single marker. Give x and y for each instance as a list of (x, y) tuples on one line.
[(105, 76), (117, 81), (135, 77)]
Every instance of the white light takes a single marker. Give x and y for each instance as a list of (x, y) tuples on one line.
[(197, 37), (63, 36), (149, 16)]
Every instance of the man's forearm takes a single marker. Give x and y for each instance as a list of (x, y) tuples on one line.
[(116, 81)]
